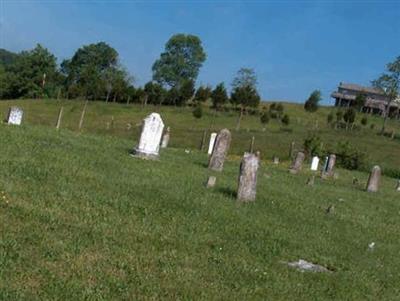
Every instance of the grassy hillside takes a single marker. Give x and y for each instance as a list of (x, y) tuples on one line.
[(82, 220), (187, 132)]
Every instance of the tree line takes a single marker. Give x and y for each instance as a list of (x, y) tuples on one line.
[(95, 72)]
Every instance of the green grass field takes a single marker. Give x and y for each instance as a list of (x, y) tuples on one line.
[(187, 132), (83, 220)]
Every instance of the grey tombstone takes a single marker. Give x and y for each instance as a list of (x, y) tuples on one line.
[(247, 187), (211, 144), (275, 160), (220, 150), (398, 185), (149, 143), (165, 139), (211, 181), (15, 116), (297, 163), (374, 179), (328, 170)]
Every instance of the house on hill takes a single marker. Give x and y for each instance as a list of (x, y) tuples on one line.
[(375, 100)]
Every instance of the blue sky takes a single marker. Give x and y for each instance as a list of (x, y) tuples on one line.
[(294, 46)]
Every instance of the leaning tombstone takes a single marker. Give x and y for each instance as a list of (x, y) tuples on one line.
[(165, 139), (248, 178), (149, 143), (297, 163), (15, 116), (314, 163), (374, 179), (211, 144), (328, 170), (220, 150)]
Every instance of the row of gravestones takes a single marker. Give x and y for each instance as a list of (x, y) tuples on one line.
[(219, 144), (152, 138)]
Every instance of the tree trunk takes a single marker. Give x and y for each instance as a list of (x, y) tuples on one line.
[(108, 96)]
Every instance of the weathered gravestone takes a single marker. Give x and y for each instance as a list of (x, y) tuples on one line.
[(329, 165), (374, 179), (398, 185), (165, 139), (220, 150), (275, 160), (297, 163), (314, 163), (211, 181), (149, 143), (248, 178), (15, 115), (211, 144)]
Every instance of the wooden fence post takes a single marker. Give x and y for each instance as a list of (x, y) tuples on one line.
[(60, 114), (82, 116)]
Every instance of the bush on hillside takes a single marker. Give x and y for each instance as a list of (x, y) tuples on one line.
[(364, 121), (286, 119), (198, 111), (350, 157), (313, 146)]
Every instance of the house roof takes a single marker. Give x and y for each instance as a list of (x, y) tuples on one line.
[(360, 88)]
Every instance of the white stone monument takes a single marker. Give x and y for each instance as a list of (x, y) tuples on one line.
[(15, 116), (314, 163), (149, 143), (211, 144)]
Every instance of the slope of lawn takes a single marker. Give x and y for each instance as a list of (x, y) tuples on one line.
[(83, 220), (186, 132)]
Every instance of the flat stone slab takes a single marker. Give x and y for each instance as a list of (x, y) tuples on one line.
[(305, 266)]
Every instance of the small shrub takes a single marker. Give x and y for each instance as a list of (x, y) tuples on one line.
[(313, 146), (392, 172), (198, 112), (364, 121), (350, 157), (372, 126), (286, 119), (329, 118), (350, 115), (264, 118)]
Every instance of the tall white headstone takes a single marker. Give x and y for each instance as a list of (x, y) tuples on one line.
[(211, 144), (314, 163), (15, 116), (149, 143)]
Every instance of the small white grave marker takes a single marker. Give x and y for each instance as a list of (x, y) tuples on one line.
[(15, 116), (211, 144), (149, 143), (314, 163)]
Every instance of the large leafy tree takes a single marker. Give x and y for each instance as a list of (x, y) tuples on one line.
[(32, 74), (245, 92), (181, 61), (91, 70), (203, 94), (389, 83)]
